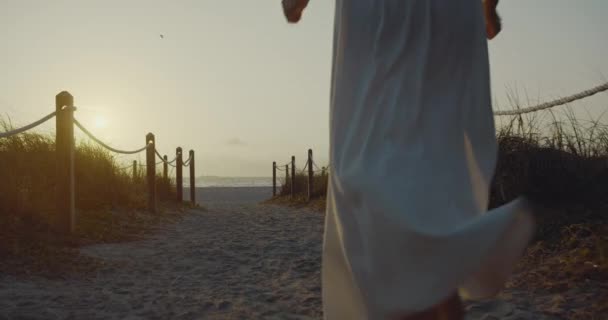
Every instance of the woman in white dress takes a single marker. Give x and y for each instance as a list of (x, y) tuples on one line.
[(412, 151)]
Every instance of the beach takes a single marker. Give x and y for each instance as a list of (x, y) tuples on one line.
[(234, 259)]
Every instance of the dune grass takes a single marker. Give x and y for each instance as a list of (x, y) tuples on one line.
[(110, 203), (300, 198)]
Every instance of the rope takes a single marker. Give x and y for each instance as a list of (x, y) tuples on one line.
[(303, 171), (141, 165), (28, 127), (551, 104), (126, 167), (326, 168), (315, 165), (90, 135), (158, 155), (163, 159), (187, 162)]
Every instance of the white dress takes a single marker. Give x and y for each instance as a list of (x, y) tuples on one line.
[(412, 151)]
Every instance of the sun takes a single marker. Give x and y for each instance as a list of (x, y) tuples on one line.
[(100, 122)]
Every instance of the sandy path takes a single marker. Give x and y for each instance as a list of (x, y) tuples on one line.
[(237, 260)]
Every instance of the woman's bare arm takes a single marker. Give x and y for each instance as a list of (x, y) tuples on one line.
[(293, 9), (493, 21)]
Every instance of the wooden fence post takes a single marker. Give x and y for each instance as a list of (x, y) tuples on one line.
[(178, 174), (293, 176), (192, 179), (274, 178), (151, 171), (64, 149), (166, 184), (310, 174), (134, 170), (287, 175), (165, 168)]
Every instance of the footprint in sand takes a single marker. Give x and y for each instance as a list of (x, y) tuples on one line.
[(224, 305)]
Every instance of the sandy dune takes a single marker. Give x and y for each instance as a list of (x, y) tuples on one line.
[(237, 260)]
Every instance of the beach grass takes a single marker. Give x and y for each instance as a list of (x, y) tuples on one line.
[(110, 202)]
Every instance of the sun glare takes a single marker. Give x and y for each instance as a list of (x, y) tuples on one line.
[(100, 122)]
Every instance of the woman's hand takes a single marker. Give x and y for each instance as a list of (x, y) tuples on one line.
[(493, 24), (293, 9)]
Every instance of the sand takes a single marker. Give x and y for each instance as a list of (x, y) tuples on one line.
[(236, 260)]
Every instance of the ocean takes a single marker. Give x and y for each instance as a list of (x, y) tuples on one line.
[(214, 181)]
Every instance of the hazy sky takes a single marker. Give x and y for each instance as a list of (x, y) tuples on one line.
[(233, 81)]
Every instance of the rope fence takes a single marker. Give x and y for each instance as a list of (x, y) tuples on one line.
[(32, 125), (125, 167), (64, 148), (162, 159), (290, 174), (555, 103), (187, 162), (101, 143)]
